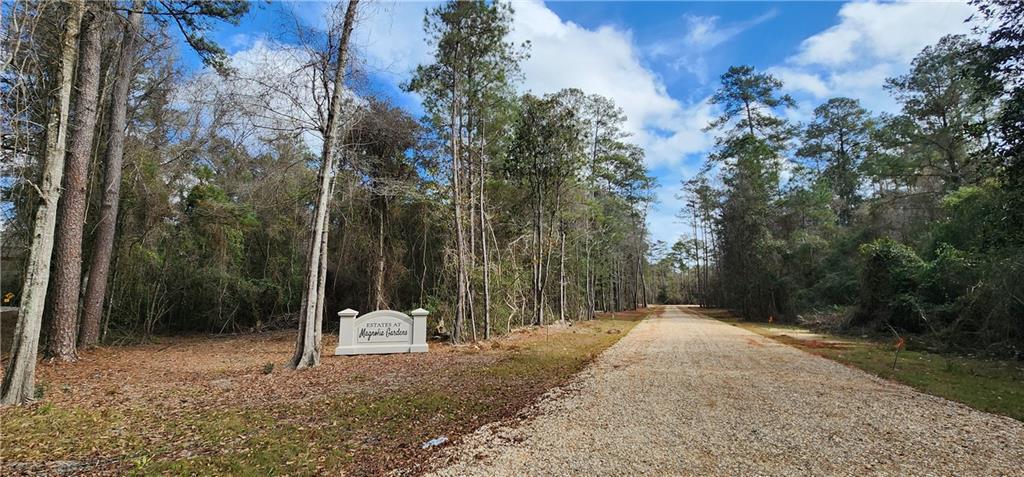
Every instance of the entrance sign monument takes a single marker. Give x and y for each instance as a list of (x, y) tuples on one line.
[(382, 331)]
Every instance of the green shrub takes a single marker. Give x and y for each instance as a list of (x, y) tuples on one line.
[(975, 218), (949, 277), (889, 282)]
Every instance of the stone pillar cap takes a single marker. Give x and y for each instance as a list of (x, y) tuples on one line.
[(348, 311), (419, 311)]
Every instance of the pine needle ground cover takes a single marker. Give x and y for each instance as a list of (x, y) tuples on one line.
[(205, 405), (990, 385)]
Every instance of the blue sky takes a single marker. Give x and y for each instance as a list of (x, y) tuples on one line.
[(658, 60)]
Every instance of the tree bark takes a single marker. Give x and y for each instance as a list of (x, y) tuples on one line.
[(460, 242), (561, 274), (620, 284), (483, 244), (19, 379), (701, 287), (641, 282), (379, 301), (106, 228), (588, 287), (616, 286), (67, 278), (538, 265), (471, 206), (308, 341), (706, 300)]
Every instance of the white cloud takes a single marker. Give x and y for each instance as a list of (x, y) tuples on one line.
[(606, 61), (831, 47), (889, 31), (602, 61), (871, 42), (668, 147), (390, 34), (662, 221), (240, 40), (703, 34), (866, 84), (800, 80)]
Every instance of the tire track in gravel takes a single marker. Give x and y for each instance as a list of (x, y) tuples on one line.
[(686, 395)]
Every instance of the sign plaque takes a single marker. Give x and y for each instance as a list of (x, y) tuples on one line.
[(382, 331)]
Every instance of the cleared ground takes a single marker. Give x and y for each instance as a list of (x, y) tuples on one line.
[(686, 395), (224, 406)]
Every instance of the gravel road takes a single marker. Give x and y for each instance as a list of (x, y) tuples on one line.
[(685, 395)]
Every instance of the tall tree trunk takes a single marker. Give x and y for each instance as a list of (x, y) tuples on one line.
[(592, 186), (549, 251), (470, 190), (592, 298), (19, 379), (67, 278), (99, 268), (470, 173), (321, 295), (701, 299), (538, 259), (606, 290), (643, 281), (623, 286), (308, 341), (379, 302), (483, 243), (718, 263), (635, 284), (587, 286), (613, 283), (706, 301), (460, 242), (561, 274), (617, 282)]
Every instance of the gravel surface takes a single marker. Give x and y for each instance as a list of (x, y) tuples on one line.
[(686, 395)]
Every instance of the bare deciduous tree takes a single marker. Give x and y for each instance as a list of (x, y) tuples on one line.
[(308, 342)]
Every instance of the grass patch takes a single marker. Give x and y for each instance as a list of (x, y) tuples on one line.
[(990, 385), (554, 354), (365, 415)]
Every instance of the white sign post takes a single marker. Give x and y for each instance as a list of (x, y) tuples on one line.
[(382, 331)]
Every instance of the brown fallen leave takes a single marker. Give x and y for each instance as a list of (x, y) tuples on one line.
[(225, 404)]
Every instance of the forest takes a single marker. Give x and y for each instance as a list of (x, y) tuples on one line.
[(905, 223), (272, 194), (270, 191)]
